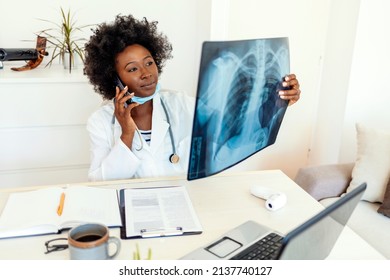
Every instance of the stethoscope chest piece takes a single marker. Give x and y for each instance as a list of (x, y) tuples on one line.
[(174, 158)]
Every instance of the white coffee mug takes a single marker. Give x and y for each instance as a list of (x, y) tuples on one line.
[(91, 242)]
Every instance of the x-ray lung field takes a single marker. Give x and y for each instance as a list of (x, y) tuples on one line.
[(238, 110)]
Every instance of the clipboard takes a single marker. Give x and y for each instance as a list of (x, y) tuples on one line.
[(157, 212)]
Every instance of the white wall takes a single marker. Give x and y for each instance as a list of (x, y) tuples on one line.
[(304, 22), (368, 95), (334, 82), (43, 139)]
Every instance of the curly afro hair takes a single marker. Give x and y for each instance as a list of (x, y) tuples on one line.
[(110, 39)]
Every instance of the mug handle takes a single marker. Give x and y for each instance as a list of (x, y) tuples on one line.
[(117, 243)]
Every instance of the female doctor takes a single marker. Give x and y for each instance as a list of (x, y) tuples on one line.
[(148, 136)]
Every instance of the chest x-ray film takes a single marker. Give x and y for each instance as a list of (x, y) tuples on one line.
[(238, 110)]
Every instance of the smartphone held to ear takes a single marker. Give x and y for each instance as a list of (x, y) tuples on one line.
[(119, 83)]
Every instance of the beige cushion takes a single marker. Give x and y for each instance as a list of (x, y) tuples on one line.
[(322, 181), (385, 207), (372, 163)]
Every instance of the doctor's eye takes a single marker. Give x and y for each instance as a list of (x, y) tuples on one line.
[(149, 63)]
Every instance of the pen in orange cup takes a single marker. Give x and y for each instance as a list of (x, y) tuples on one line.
[(61, 204)]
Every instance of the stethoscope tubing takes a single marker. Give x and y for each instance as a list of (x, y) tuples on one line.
[(169, 127)]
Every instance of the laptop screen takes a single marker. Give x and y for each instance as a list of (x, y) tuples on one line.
[(238, 111), (314, 239)]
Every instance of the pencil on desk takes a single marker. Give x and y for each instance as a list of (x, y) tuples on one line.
[(61, 204)]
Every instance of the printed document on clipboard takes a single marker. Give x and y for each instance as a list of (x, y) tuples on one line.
[(157, 212)]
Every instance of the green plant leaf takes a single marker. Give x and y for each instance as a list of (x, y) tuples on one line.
[(63, 37)]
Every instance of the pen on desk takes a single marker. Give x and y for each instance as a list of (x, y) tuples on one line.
[(61, 204)]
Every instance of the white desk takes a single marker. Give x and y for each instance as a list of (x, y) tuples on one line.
[(221, 202)]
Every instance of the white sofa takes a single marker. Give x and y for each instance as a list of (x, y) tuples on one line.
[(327, 182)]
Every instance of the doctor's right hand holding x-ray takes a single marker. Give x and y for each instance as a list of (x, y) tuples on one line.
[(151, 136)]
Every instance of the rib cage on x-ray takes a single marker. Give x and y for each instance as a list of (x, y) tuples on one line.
[(238, 109), (237, 100), (271, 109)]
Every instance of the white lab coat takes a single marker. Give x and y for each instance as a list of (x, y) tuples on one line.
[(111, 159)]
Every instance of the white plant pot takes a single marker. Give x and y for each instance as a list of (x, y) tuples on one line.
[(71, 64)]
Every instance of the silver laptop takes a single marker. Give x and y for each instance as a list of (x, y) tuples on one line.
[(312, 240)]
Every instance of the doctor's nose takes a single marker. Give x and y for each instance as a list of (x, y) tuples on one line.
[(146, 74)]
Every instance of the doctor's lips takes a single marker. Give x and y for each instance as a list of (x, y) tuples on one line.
[(149, 85)]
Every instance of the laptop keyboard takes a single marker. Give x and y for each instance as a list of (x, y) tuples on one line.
[(266, 248)]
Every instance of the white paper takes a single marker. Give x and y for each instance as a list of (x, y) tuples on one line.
[(161, 211)]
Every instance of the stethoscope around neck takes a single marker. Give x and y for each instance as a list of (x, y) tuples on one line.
[(173, 158)]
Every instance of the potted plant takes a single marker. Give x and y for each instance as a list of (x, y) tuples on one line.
[(64, 40)]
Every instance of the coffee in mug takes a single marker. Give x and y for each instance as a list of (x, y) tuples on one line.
[(91, 242)]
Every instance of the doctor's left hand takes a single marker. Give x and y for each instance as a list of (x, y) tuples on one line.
[(293, 94)]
